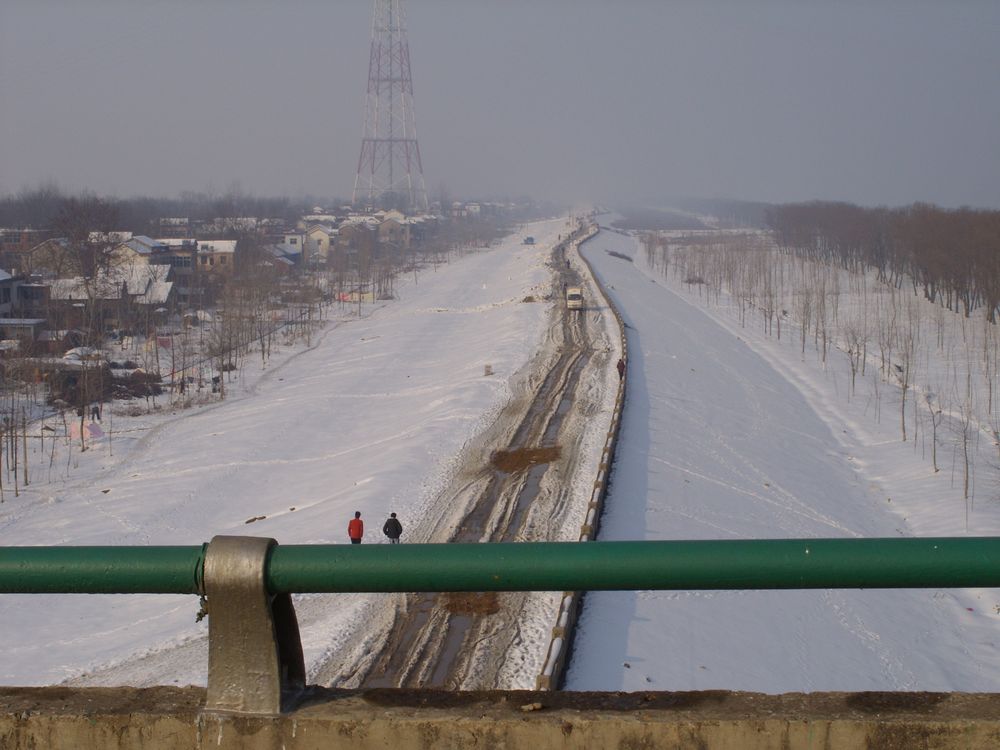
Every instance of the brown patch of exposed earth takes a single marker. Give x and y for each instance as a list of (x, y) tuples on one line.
[(519, 459), (485, 603)]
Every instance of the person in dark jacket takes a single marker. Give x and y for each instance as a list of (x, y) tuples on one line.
[(621, 368), (356, 528), (393, 529)]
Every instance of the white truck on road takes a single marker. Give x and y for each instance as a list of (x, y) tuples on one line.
[(574, 298)]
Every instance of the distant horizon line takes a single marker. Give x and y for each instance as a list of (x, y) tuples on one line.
[(668, 202)]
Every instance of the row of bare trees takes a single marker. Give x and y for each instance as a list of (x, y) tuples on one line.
[(937, 369), (951, 256)]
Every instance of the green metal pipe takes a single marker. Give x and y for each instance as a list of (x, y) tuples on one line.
[(545, 566), (680, 565), (101, 570)]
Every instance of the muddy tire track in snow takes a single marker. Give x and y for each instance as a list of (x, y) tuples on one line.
[(462, 640)]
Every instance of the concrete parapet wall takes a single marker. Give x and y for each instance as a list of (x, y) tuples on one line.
[(171, 718)]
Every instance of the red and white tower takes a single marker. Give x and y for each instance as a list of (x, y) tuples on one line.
[(390, 174)]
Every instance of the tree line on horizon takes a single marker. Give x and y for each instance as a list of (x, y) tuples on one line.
[(950, 256), (40, 208)]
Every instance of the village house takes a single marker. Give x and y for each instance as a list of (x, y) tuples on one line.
[(356, 239), (275, 261), (181, 254), (178, 226), (108, 238), (216, 256), (319, 238), (395, 230), (57, 257), (317, 217), (51, 257), (16, 243), (138, 247), (421, 228), (25, 331), (32, 298), (292, 244), (229, 226), (8, 294), (123, 296)]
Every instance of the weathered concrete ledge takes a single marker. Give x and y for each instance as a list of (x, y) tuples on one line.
[(57, 717)]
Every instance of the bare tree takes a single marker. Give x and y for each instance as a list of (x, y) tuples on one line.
[(936, 413), (803, 309), (89, 226), (909, 340), (856, 343)]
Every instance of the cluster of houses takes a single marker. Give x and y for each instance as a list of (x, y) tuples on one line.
[(325, 240), (52, 290)]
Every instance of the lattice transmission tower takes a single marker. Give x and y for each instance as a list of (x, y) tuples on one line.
[(390, 174)]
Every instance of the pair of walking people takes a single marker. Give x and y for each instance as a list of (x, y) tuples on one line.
[(392, 528)]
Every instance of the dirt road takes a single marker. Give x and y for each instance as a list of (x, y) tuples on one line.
[(517, 492)]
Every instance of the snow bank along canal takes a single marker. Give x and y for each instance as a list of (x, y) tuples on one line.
[(727, 435)]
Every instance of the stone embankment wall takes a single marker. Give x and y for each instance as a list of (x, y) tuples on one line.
[(171, 718)]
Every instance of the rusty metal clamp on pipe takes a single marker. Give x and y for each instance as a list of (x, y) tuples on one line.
[(255, 663)]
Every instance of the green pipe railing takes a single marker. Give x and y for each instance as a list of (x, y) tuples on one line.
[(545, 566), (101, 570)]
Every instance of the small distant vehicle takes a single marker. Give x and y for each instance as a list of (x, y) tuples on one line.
[(529, 240), (574, 298)]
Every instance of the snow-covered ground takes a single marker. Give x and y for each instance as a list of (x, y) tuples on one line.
[(370, 418), (726, 434), (729, 434)]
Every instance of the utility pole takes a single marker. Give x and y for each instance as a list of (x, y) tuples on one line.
[(390, 174)]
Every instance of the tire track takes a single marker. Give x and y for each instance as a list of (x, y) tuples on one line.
[(442, 641)]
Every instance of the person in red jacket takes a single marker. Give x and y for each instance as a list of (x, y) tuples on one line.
[(356, 528)]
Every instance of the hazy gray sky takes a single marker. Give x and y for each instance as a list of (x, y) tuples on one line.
[(873, 102)]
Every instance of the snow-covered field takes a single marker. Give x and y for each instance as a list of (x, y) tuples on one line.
[(726, 434), (730, 434), (369, 418)]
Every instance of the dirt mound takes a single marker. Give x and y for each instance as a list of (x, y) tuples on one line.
[(486, 603), (522, 458)]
